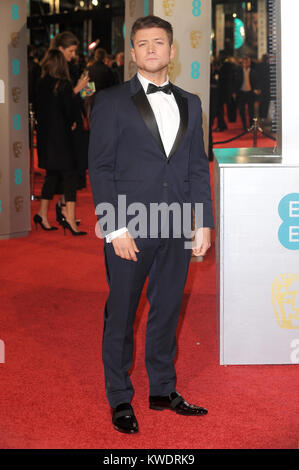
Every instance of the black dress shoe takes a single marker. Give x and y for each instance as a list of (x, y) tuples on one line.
[(123, 419), (176, 403)]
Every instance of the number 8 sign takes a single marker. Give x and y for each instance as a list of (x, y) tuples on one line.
[(196, 10), (195, 69), (15, 12)]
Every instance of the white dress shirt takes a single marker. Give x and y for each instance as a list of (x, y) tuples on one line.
[(167, 115), (166, 112)]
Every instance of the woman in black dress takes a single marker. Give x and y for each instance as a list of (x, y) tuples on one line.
[(55, 112), (67, 43)]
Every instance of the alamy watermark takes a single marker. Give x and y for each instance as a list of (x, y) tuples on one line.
[(155, 220)]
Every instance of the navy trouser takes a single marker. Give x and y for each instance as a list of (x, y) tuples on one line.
[(165, 262)]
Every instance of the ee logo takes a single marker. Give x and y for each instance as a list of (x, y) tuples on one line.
[(288, 233), (16, 66), (17, 122), (196, 8), (195, 69), (18, 176), (15, 12)]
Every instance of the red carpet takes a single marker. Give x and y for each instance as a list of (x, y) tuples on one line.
[(53, 290), (235, 129)]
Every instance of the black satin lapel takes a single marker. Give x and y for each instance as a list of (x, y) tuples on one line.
[(182, 103), (141, 102)]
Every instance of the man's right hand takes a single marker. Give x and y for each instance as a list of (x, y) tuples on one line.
[(125, 247)]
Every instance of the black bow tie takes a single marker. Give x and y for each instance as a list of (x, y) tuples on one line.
[(153, 88)]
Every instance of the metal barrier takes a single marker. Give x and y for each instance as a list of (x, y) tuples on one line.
[(254, 129)]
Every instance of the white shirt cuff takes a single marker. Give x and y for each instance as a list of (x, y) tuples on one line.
[(115, 234)]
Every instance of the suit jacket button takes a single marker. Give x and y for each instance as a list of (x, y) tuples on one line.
[(165, 184)]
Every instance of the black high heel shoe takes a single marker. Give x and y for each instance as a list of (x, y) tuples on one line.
[(60, 217), (65, 225), (38, 220)]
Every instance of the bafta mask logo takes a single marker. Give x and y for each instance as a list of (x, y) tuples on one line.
[(15, 39), (132, 68), (132, 5), (16, 94), (285, 300), (19, 203), (17, 149), (195, 37), (168, 6)]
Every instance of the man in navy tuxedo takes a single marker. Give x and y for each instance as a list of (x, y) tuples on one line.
[(146, 143)]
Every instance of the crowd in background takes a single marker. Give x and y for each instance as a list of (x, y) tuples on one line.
[(238, 85), (104, 69), (62, 87)]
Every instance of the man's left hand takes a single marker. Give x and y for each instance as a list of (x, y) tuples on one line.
[(202, 241)]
